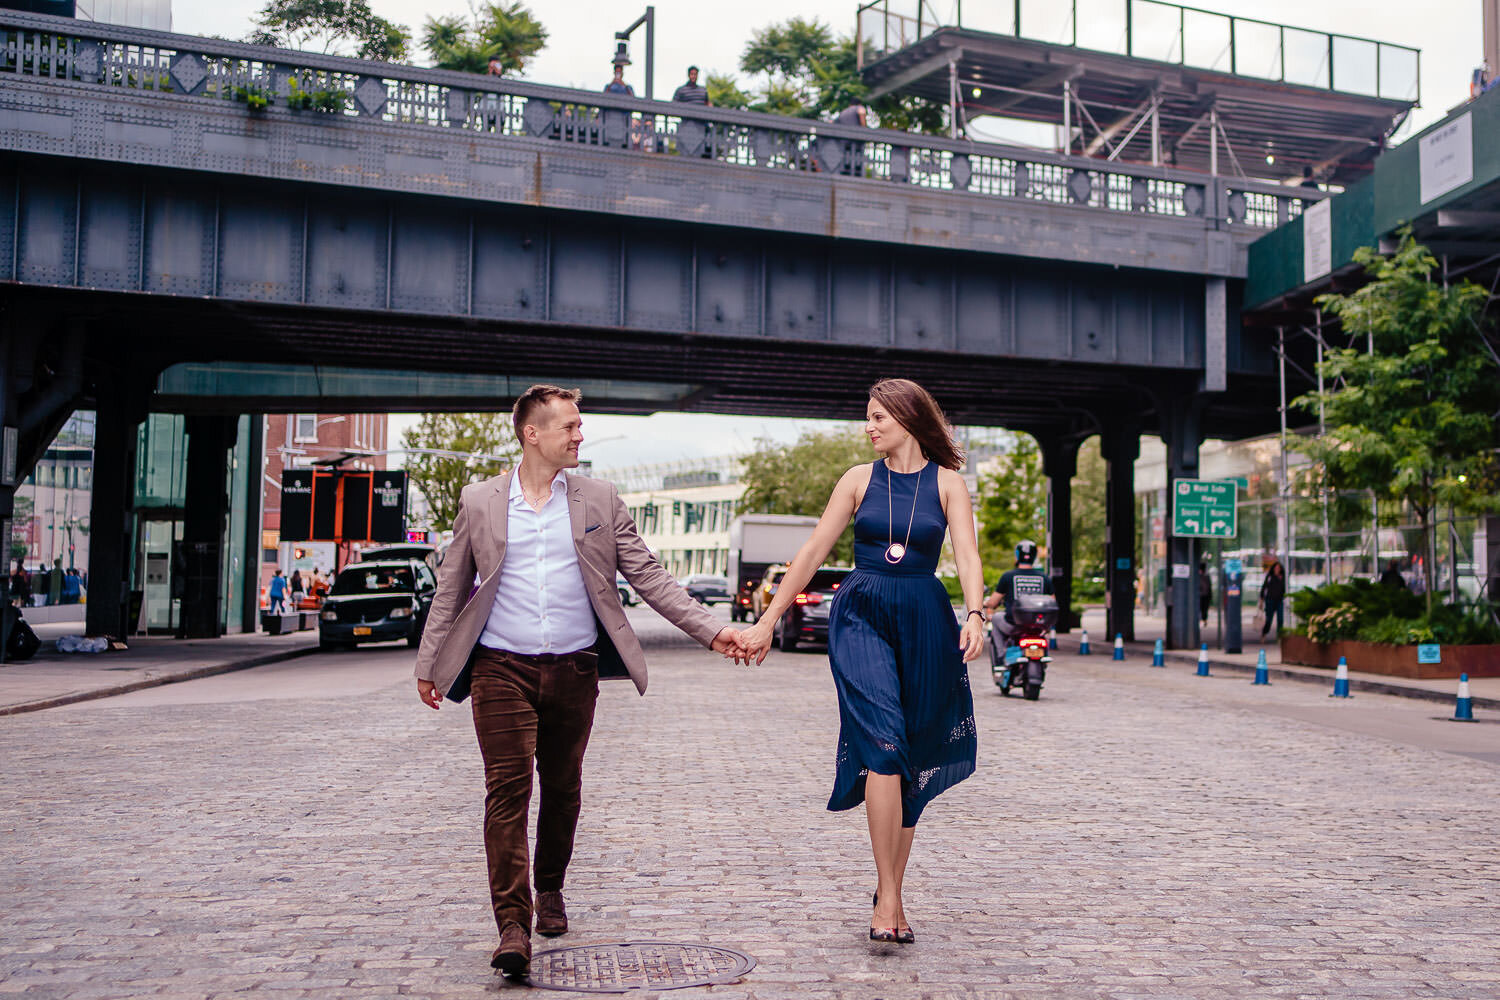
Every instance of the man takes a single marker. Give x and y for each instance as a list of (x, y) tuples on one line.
[(530, 643), (1024, 579), (618, 84), (1392, 576), (690, 92), (1205, 591)]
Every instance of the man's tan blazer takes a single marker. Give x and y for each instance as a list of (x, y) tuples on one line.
[(606, 539)]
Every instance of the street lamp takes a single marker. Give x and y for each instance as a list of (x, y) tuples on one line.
[(622, 52)]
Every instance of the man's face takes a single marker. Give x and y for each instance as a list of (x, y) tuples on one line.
[(693, 77), (556, 432)]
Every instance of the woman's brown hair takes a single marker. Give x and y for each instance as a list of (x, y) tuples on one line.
[(914, 409)]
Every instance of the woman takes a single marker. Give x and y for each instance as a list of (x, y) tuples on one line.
[(906, 717), (298, 592), (1272, 594)]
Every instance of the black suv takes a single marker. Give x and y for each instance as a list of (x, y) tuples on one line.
[(807, 618), (377, 602)]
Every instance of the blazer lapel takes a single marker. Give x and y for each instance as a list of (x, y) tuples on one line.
[(500, 513), (576, 510)]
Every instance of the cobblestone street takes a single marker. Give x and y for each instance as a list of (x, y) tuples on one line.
[(1132, 834)]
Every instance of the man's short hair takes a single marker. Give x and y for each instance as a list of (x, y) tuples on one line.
[(692, 69), (534, 399)]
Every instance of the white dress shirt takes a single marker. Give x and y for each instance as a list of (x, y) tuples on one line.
[(541, 603)]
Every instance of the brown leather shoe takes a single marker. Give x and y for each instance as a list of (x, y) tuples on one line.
[(551, 915), (513, 957)]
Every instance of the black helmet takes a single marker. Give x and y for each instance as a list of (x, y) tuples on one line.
[(1026, 551)]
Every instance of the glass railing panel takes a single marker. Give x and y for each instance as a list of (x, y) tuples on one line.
[(1257, 49), (1101, 25), (1156, 31), (1047, 21), (1207, 42), (1306, 57), (1356, 65), (1399, 73)]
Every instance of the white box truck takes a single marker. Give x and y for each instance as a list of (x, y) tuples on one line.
[(756, 543)]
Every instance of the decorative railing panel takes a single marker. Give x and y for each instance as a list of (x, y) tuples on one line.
[(270, 81)]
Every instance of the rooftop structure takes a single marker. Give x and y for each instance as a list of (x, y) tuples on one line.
[(1150, 82)]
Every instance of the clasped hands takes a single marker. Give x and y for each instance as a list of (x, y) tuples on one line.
[(743, 645)]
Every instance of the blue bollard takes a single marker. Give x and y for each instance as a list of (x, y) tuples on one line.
[(1119, 646), (1463, 711), (1052, 638), (1203, 660), (1262, 675), (1157, 659), (1083, 643), (1341, 680)]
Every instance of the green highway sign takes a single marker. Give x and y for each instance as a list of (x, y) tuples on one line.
[(1204, 508)]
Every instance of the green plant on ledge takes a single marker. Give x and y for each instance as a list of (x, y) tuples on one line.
[(1391, 616), (298, 99), (254, 97)]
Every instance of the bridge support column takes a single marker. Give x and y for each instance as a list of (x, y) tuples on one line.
[(1121, 446), (1181, 433), (206, 499), (1060, 463), (116, 435)]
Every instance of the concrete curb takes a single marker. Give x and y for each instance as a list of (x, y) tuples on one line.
[(150, 682), (1326, 679)]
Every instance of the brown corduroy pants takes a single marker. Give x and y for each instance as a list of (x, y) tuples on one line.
[(531, 710)]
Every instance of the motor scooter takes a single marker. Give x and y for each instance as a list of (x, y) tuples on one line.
[(1021, 660)]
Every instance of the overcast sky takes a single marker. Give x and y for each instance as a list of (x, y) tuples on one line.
[(581, 42)]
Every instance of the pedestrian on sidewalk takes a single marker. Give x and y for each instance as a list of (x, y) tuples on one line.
[(20, 586), (906, 715), (1205, 591), (55, 582), (277, 593), (531, 642), (297, 588), (1392, 576), (1272, 596)]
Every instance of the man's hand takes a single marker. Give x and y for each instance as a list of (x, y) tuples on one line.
[(430, 695), (729, 643)]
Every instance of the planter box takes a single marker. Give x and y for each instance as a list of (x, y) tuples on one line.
[(1395, 661)]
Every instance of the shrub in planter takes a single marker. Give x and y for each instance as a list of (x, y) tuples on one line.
[(1339, 622)]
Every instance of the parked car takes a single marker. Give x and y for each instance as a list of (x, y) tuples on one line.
[(405, 550), (706, 588), (377, 602), (628, 596), (806, 620), (762, 595)]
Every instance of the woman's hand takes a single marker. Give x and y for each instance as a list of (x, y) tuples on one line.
[(756, 641), (971, 639)]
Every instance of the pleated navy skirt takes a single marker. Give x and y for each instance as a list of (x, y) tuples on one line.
[(904, 701)]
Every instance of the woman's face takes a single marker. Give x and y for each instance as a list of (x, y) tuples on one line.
[(886, 435)]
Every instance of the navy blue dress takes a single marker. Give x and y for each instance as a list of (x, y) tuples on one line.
[(904, 701)]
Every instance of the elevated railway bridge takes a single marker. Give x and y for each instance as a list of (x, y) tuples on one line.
[(203, 227)]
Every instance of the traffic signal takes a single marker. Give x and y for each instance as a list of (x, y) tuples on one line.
[(676, 508)]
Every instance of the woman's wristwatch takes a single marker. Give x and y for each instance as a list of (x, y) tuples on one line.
[(978, 612)]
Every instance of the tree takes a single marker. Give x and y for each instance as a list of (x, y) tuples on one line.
[(1410, 413), (1088, 514), (808, 72), (469, 447), (1012, 503), (341, 27), (507, 31), (798, 478)]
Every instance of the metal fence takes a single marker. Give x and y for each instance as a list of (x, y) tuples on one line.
[(271, 82)]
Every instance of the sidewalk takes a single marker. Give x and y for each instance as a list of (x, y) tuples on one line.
[(51, 678), (1484, 690)]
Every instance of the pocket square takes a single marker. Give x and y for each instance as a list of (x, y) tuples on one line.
[(592, 527)]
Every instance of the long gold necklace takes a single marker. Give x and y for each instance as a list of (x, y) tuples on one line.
[(895, 551)]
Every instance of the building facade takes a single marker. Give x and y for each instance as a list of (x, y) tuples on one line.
[(298, 441)]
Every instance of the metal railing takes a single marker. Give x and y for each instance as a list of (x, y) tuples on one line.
[(305, 85), (1163, 32)]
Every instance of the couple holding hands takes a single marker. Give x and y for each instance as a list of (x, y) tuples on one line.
[(526, 620)]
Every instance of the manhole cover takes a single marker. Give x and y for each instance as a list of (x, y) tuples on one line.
[(637, 965)]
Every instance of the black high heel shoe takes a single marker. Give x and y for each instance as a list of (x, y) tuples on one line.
[(907, 936)]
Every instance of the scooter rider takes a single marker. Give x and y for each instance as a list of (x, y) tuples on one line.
[(1024, 579)]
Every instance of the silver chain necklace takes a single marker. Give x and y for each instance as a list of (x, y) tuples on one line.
[(896, 551)]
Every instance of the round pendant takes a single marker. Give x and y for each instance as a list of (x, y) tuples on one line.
[(895, 553)]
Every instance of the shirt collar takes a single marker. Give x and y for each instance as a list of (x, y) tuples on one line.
[(559, 481)]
